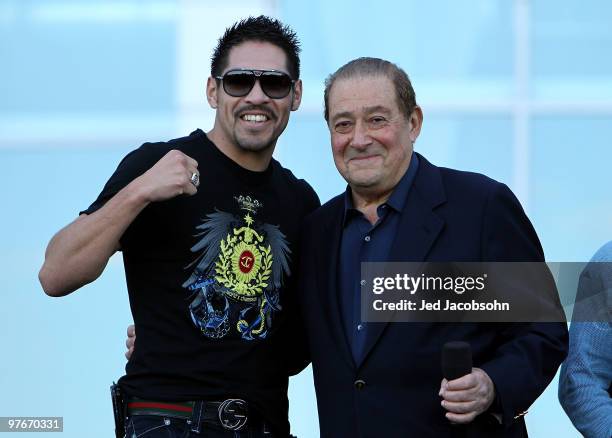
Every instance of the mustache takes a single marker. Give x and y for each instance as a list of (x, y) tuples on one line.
[(256, 108)]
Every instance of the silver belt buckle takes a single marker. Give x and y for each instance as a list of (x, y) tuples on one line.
[(233, 413)]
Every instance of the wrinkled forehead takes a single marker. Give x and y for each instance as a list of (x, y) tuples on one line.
[(257, 55), (359, 95)]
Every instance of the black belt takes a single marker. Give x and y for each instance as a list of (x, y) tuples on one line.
[(231, 414)]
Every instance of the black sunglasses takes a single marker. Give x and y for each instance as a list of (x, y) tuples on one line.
[(238, 83)]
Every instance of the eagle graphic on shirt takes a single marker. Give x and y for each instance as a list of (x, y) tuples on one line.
[(238, 273)]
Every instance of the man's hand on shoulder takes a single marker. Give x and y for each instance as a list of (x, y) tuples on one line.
[(171, 176), (468, 396), (130, 341)]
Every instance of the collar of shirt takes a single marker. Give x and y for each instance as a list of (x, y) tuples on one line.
[(396, 201)]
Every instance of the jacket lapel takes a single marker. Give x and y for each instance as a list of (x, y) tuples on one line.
[(417, 232), (328, 278)]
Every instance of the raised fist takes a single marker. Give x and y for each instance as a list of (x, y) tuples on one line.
[(173, 175)]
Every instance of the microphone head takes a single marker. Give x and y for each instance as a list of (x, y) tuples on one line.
[(456, 360)]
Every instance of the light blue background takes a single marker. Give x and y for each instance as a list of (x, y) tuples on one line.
[(520, 90)]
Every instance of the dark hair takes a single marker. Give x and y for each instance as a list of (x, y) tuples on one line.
[(262, 29), (367, 67)]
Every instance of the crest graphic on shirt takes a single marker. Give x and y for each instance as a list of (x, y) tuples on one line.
[(238, 273)]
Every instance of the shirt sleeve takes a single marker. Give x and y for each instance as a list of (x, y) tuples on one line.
[(131, 167), (585, 381)]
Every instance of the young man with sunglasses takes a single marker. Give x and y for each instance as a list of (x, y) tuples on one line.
[(208, 226)]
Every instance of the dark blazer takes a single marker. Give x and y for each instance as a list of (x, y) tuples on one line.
[(449, 216)]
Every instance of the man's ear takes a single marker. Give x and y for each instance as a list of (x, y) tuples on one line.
[(296, 96), (211, 92), (416, 121)]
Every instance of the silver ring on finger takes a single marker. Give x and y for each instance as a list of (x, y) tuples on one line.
[(195, 179)]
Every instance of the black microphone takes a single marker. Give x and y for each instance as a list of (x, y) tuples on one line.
[(456, 360)]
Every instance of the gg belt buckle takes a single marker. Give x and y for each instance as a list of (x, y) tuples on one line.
[(233, 414)]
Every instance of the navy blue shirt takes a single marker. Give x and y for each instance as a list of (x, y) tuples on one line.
[(364, 242)]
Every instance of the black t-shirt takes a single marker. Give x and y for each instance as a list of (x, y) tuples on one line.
[(210, 281)]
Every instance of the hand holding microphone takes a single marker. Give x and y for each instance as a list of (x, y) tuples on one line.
[(466, 391)]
